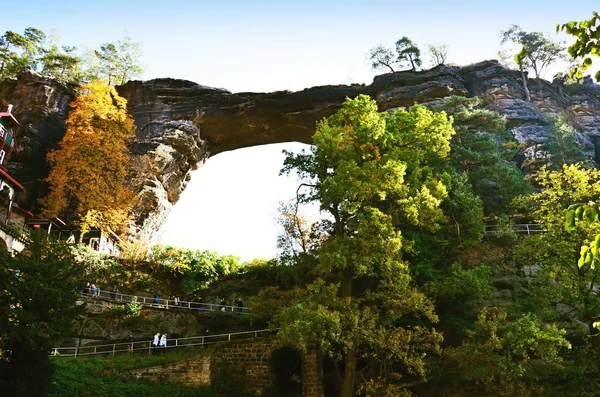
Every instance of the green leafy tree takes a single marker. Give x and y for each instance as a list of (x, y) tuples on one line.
[(38, 292), (371, 172), (587, 42), (498, 353), (562, 145), (482, 149), (537, 52), (465, 209), (88, 174), (439, 54), (119, 62), (381, 57), (408, 53), (564, 276), (18, 51), (62, 63)]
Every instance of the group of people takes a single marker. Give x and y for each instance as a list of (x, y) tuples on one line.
[(91, 289), (159, 342)]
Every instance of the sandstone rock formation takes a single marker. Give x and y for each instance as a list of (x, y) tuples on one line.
[(180, 123)]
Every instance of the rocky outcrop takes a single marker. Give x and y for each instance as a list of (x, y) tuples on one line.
[(180, 123)]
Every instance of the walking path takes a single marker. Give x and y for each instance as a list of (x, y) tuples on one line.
[(166, 303), (146, 345), (529, 228)]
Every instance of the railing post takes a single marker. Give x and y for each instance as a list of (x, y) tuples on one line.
[(189, 305), (95, 349), (114, 347), (144, 298), (229, 337), (203, 341), (176, 340), (55, 352), (527, 225), (167, 303), (75, 355)]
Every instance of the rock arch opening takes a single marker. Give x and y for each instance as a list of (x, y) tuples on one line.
[(230, 204), (286, 368)]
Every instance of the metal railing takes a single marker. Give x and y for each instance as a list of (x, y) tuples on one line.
[(166, 303), (146, 345), (529, 228)]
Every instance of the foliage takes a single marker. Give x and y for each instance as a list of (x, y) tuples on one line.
[(561, 278), (408, 53), (381, 57), (465, 209), (499, 352), (587, 42), (117, 62), (482, 149), (38, 290), (439, 54), (89, 170), (198, 268), (87, 376), (560, 189), (562, 145), (537, 51), (372, 172), (18, 51)]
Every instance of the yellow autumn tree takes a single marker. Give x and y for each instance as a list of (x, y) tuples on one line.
[(89, 171)]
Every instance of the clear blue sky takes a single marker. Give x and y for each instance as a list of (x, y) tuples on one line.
[(265, 46)]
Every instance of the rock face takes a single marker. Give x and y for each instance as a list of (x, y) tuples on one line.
[(180, 123)]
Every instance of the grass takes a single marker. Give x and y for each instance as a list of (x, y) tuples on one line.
[(95, 376)]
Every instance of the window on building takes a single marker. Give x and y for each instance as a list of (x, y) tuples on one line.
[(2, 153), (2, 131)]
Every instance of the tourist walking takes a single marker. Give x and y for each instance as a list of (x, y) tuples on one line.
[(86, 289), (93, 289), (156, 298), (163, 341), (155, 341), (131, 340), (113, 294), (240, 305), (223, 304)]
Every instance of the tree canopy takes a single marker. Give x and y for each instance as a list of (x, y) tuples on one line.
[(371, 173), (587, 42), (88, 173), (38, 291)]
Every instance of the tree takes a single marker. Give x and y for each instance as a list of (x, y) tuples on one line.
[(537, 52), (498, 352), (562, 279), (482, 148), (89, 171), (38, 293), (371, 173), (62, 63), (20, 51), (381, 57), (408, 52), (119, 61), (587, 42), (439, 54), (562, 145)]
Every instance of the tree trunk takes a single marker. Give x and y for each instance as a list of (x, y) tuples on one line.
[(524, 78), (347, 389)]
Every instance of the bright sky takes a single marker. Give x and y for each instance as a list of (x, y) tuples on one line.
[(262, 46)]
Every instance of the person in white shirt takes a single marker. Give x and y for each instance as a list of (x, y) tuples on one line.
[(163, 341)]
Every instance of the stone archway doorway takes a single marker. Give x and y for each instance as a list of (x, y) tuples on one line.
[(286, 369)]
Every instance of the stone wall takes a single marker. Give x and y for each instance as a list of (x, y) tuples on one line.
[(242, 366)]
